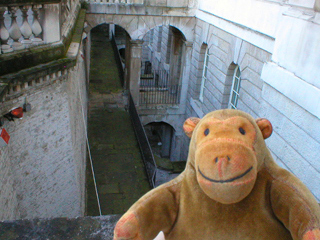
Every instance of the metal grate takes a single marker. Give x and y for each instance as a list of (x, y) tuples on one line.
[(156, 88)]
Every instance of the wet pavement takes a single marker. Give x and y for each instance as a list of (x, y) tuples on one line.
[(119, 169)]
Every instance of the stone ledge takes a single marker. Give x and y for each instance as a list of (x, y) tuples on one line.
[(12, 62), (13, 85), (60, 228), (138, 9)]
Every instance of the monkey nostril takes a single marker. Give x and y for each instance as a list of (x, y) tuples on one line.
[(217, 159)]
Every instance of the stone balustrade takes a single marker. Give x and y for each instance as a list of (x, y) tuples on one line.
[(20, 27), (29, 23)]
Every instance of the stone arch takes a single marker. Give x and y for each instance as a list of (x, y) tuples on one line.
[(138, 26), (160, 135)]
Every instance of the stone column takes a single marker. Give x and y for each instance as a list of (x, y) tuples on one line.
[(186, 64), (317, 5), (166, 138), (134, 69), (111, 30), (51, 23)]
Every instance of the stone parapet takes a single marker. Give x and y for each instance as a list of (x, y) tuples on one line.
[(60, 228), (37, 65), (24, 25)]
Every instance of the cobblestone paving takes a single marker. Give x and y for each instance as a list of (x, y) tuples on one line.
[(119, 170)]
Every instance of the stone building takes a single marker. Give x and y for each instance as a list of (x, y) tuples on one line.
[(181, 59)]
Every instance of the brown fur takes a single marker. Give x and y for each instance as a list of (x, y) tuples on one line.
[(259, 200)]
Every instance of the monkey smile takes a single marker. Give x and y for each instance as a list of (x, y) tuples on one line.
[(227, 180)]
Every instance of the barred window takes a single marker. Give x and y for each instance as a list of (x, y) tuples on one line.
[(235, 89), (204, 74)]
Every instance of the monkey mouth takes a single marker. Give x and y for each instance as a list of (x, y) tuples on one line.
[(227, 180)]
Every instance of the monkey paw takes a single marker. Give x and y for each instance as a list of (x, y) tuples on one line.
[(312, 235), (127, 228)]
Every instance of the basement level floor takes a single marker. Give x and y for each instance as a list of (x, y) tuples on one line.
[(119, 170)]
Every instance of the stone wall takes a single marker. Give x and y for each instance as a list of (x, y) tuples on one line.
[(43, 166)]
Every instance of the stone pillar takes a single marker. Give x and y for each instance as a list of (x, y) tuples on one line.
[(166, 137), (186, 64), (111, 30), (134, 69), (317, 5), (51, 23)]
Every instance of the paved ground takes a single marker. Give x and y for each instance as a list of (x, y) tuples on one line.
[(119, 169)]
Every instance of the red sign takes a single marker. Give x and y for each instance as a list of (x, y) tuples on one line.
[(4, 138)]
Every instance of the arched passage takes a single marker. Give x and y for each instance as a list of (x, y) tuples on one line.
[(161, 65), (160, 135), (138, 26), (117, 39)]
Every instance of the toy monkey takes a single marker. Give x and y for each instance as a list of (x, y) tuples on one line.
[(231, 189)]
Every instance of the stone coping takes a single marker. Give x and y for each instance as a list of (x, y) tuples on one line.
[(60, 228)]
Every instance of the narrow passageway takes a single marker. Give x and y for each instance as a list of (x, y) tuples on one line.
[(119, 169)]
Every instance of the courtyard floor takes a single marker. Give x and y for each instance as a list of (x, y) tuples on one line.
[(119, 170)]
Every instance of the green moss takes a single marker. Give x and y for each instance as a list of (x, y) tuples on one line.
[(104, 74), (117, 161)]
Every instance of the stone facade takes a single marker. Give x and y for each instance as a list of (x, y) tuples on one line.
[(273, 43), (43, 166)]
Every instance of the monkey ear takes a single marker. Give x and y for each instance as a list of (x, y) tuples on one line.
[(265, 127), (189, 125)]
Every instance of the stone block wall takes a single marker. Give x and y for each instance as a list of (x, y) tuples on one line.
[(295, 142), (42, 169), (225, 52)]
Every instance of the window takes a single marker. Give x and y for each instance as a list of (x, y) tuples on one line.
[(159, 39), (151, 37), (204, 74), (235, 89)]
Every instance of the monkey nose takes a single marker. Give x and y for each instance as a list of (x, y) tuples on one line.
[(222, 163), (222, 159)]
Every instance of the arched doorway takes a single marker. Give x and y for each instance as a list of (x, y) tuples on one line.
[(160, 135), (161, 65)]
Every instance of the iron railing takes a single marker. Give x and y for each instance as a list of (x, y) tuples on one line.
[(156, 88), (145, 147)]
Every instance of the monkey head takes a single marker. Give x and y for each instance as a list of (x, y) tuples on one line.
[(227, 150)]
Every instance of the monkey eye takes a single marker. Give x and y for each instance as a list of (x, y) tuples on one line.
[(206, 132), (242, 131)]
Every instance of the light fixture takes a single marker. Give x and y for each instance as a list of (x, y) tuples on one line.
[(14, 113)]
